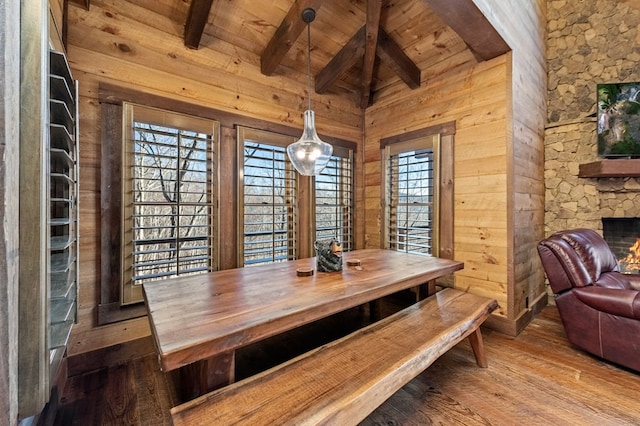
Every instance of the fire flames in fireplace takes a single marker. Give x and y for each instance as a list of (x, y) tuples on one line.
[(631, 263)]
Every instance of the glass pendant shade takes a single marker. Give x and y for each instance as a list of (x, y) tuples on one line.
[(309, 154)]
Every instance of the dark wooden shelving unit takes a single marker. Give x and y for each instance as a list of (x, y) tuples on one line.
[(605, 168)]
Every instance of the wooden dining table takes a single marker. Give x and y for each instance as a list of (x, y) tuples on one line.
[(199, 321)]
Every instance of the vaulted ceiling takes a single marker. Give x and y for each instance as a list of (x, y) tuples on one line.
[(360, 48)]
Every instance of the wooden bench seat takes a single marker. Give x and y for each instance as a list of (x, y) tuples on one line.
[(345, 380)]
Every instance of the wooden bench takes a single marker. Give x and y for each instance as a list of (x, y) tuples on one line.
[(345, 380)]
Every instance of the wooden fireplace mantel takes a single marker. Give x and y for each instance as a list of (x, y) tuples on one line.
[(623, 167)]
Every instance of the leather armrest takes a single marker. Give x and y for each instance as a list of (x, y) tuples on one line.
[(616, 280), (625, 303), (634, 281)]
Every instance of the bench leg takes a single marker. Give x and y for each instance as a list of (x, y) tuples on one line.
[(475, 339), (204, 376)]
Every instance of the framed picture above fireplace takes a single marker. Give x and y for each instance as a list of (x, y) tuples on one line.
[(618, 120)]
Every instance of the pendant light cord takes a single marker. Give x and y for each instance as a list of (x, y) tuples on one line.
[(309, 62)]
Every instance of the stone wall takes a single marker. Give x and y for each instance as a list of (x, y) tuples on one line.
[(589, 42)]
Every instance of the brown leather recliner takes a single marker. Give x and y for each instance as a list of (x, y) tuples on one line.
[(599, 306)]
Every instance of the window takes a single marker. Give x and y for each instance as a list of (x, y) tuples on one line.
[(277, 214), (198, 224), (268, 208), (334, 199), (169, 197), (412, 196)]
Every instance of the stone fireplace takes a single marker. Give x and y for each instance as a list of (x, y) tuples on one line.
[(573, 201), (580, 54)]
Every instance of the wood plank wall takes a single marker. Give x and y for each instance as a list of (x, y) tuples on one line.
[(126, 44), (499, 108), (523, 26), (475, 98)]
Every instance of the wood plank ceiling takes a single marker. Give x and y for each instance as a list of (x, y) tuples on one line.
[(359, 47)]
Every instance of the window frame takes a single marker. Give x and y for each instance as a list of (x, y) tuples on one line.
[(445, 181), (342, 154), (281, 141), (305, 198), (431, 142), (130, 291)]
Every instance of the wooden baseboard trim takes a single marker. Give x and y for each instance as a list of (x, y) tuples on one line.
[(109, 356), (513, 327)]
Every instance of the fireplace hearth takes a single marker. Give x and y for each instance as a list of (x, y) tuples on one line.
[(623, 237)]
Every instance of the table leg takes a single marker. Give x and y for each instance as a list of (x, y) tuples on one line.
[(374, 310), (204, 376), (426, 290)]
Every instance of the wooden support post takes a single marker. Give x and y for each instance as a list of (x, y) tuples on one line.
[(374, 310), (204, 376)]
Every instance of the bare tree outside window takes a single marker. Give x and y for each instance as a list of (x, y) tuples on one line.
[(269, 204), (271, 209), (334, 202), (411, 201), (171, 202)]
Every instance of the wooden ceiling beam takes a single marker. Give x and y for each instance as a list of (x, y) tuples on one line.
[(372, 25), (464, 17), (286, 35), (393, 56), (345, 59), (196, 21), (84, 3)]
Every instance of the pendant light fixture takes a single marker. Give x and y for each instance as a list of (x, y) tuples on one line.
[(309, 154)]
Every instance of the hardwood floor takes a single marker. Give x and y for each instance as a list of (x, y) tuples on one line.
[(536, 378)]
